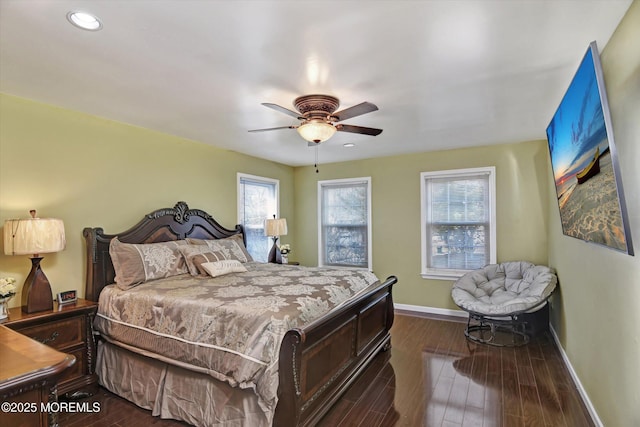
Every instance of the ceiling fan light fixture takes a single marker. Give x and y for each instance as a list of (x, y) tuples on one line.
[(316, 131)]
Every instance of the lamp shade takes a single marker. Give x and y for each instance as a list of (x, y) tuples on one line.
[(33, 236), (275, 227), (316, 131)]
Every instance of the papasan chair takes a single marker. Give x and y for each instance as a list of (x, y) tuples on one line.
[(498, 295)]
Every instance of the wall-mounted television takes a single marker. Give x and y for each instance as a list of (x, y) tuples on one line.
[(584, 161)]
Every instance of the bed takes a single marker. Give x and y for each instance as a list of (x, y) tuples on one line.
[(289, 372)]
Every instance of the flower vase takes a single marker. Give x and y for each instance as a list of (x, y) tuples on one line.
[(4, 308), (285, 259)]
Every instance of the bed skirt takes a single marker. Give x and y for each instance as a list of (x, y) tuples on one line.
[(173, 392)]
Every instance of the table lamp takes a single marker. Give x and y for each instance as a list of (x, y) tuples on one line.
[(275, 228), (34, 236)]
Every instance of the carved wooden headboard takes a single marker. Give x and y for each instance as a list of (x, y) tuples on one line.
[(161, 225)]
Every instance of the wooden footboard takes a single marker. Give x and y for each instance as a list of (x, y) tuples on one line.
[(320, 361)]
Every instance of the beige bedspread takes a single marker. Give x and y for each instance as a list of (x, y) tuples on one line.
[(229, 327)]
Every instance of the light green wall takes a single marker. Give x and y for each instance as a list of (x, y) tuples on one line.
[(522, 201), (90, 171), (596, 313)]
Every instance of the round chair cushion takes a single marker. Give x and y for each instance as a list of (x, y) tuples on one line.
[(504, 289)]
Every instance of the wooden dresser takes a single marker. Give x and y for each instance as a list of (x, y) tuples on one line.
[(28, 375), (67, 328)]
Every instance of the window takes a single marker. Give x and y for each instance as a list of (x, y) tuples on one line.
[(458, 221), (344, 219), (257, 201)]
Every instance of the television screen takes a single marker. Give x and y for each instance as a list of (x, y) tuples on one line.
[(584, 162)]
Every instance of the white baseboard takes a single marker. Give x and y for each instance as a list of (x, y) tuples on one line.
[(431, 310), (576, 381)]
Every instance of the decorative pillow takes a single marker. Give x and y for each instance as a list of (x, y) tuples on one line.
[(196, 255), (138, 263), (232, 247), (219, 268)]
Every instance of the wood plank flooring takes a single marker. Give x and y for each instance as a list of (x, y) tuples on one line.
[(431, 377)]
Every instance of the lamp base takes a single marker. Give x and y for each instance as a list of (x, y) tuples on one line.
[(36, 292), (275, 256)]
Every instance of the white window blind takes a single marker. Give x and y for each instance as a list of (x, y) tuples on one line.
[(458, 217), (257, 201), (344, 223)]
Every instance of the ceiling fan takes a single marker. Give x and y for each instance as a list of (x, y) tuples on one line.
[(319, 119)]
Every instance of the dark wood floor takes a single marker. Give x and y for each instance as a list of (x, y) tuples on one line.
[(431, 377)]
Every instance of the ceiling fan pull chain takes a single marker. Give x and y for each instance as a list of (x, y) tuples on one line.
[(316, 164)]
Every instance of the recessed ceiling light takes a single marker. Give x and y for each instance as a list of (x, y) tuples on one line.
[(84, 20), (349, 145)]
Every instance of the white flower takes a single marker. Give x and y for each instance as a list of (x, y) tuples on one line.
[(7, 287), (285, 249)]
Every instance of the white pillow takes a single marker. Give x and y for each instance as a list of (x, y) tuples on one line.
[(219, 268)]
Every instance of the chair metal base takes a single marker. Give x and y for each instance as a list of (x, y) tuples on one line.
[(499, 332)]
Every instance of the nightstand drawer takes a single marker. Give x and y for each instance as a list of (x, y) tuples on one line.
[(77, 370), (58, 334)]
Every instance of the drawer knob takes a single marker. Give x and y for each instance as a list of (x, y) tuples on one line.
[(52, 338)]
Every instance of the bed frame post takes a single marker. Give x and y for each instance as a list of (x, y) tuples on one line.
[(95, 274), (289, 404)]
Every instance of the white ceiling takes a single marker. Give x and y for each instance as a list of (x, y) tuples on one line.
[(445, 74)]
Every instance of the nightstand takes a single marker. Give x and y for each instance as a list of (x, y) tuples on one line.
[(67, 328)]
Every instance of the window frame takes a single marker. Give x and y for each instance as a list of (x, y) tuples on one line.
[(341, 182), (257, 179), (425, 209)]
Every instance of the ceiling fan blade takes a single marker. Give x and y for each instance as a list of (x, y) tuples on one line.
[(356, 110), (359, 129), (279, 127), (282, 109)]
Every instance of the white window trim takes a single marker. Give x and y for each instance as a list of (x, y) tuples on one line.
[(259, 179), (360, 180), (438, 274)]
